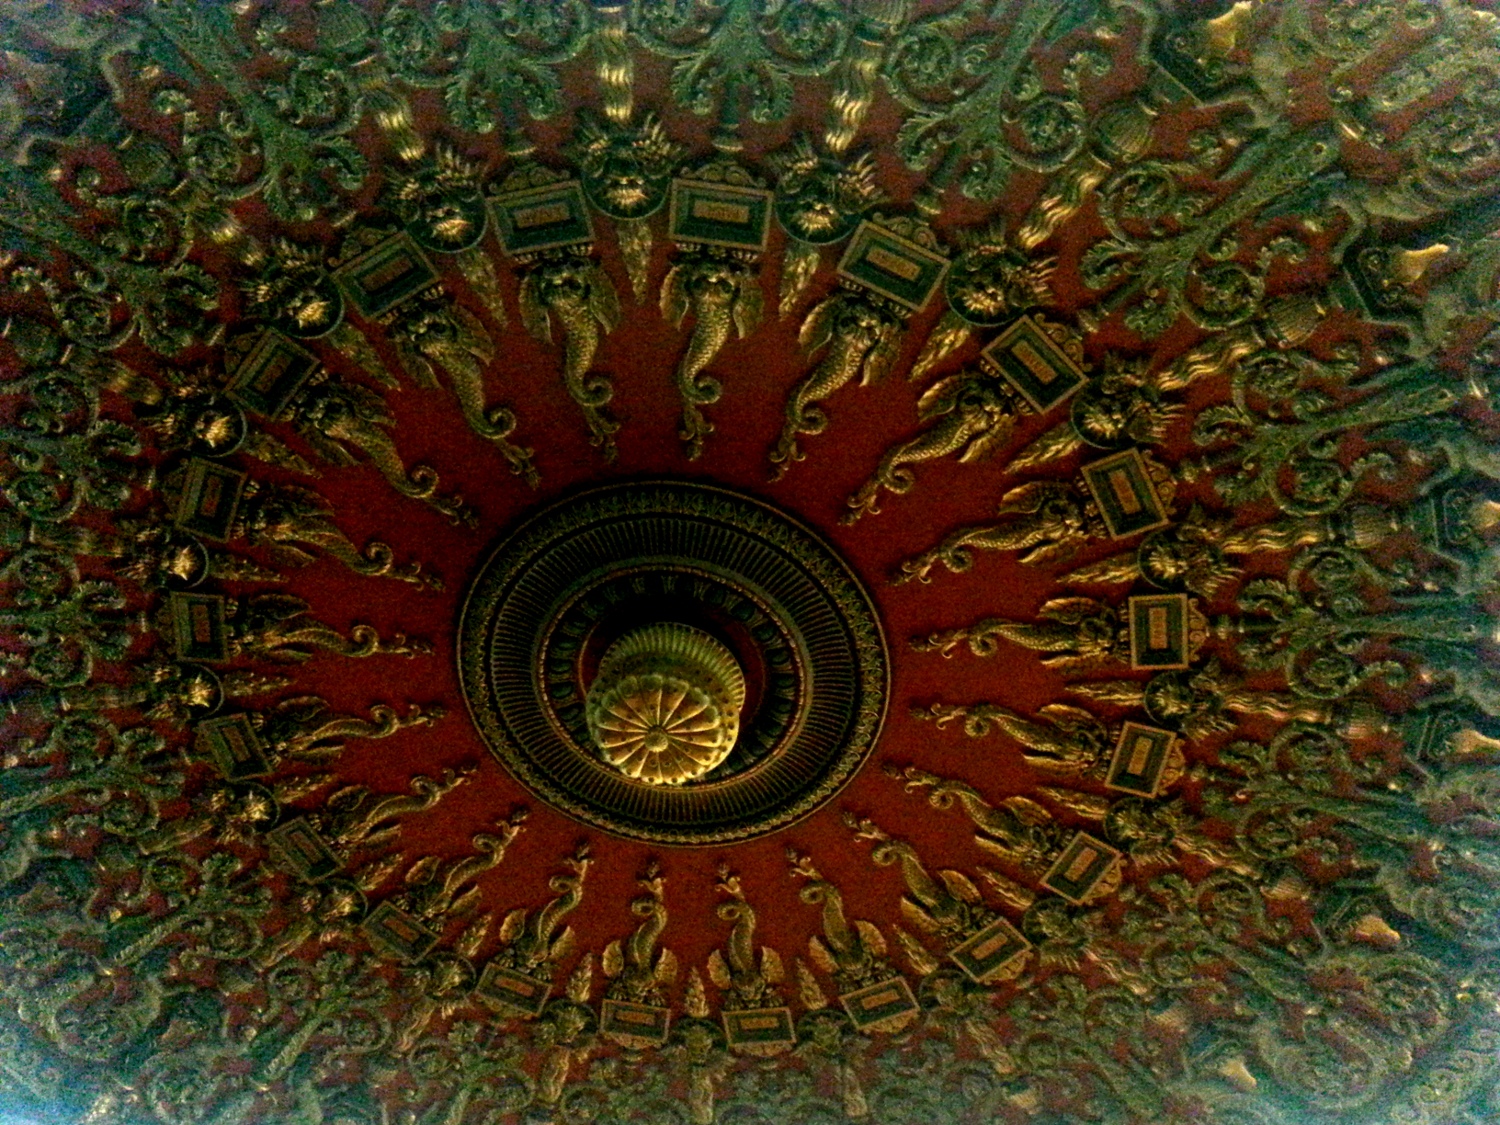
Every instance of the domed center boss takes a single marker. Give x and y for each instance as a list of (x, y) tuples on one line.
[(665, 706)]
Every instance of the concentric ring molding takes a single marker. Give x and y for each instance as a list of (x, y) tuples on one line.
[(771, 558)]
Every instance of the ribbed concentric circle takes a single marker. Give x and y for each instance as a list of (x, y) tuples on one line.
[(780, 569)]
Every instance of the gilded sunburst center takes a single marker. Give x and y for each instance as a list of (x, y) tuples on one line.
[(665, 706)]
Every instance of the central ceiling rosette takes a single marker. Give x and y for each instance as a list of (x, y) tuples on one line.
[(636, 621)]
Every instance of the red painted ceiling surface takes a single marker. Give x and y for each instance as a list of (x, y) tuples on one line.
[(757, 372)]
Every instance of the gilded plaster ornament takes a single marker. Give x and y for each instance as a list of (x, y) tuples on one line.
[(721, 294), (665, 706), (580, 295), (1244, 260)]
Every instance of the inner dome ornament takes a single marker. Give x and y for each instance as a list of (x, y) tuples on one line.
[(665, 706), (673, 662)]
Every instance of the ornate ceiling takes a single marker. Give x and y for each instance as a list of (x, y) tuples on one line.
[(1108, 384)]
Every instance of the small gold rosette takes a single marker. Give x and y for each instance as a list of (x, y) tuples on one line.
[(665, 706)]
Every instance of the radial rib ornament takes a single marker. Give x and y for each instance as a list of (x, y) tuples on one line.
[(665, 706)]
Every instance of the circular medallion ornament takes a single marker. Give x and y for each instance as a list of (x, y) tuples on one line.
[(673, 662), (665, 706)]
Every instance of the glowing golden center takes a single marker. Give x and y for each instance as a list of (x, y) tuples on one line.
[(665, 706)]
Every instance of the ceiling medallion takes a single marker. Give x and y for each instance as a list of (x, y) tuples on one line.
[(673, 662), (664, 707)]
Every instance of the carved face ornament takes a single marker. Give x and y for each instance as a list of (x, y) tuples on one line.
[(989, 286), (625, 183)]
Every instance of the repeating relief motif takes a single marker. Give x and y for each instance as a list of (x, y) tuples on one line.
[(1233, 270)]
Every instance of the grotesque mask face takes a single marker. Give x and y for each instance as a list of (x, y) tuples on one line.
[(619, 182), (626, 171), (860, 320), (714, 277), (308, 307), (984, 295), (341, 902), (217, 429), (819, 200), (298, 297), (812, 212), (947, 991), (428, 327), (1164, 562), (181, 562), (1101, 421), (570, 1022), (452, 223), (984, 290), (624, 184), (450, 976), (199, 692), (441, 204), (560, 280), (978, 396), (1133, 822), (1172, 698)]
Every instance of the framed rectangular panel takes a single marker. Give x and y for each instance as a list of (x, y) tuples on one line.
[(760, 1027), (268, 379), (1140, 758), (198, 627), (234, 746), (1159, 632), (385, 275), (300, 848), (880, 1003), (986, 955), (1043, 373), (1122, 488), (210, 498), (544, 218), (1177, 75), (892, 266), (634, 1025), (393, 930), (508, 989), (720, 215), (1083, 865)]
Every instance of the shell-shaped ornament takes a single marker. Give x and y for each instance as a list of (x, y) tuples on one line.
[(664, 708)]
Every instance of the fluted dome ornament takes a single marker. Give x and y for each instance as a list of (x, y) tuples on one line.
[(665, 706)]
